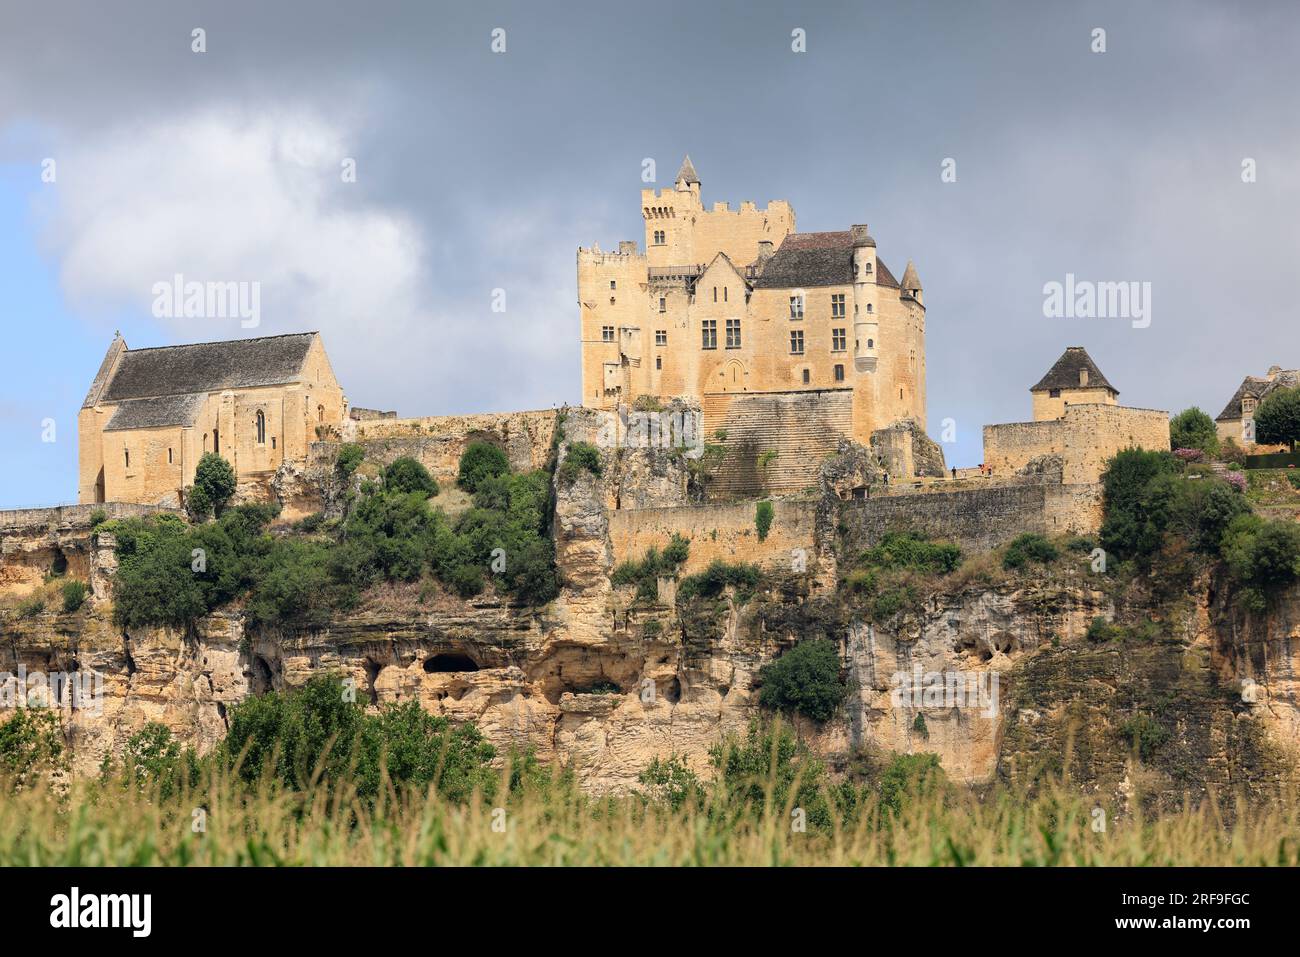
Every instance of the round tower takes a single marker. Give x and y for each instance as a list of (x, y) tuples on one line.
[(866, 320)]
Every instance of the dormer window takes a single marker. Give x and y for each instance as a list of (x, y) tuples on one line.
[(1247, 406), (1054, 393)]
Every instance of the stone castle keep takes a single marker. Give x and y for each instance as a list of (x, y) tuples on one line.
[(739, 312)]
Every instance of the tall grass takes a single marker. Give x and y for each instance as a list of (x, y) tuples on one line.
[(114, 823)]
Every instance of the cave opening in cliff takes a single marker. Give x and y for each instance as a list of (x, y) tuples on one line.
[(59, 566), (263, 675), (372, 675), (449, 664)]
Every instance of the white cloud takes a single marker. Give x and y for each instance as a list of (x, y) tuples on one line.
[(224, 196)]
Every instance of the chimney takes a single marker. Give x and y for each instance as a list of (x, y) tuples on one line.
[(858, 233), (764, 250)]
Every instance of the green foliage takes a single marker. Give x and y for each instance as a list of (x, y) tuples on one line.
[(909, 777), (806, 679), (1262, 555), (31, 606), (894, 600), (767, 458), (154, 759), (1193, 429), (763, 514), (1294, 479), (214, 478), (97, 518), (1277, 420), (1128, 530), (1143, 734), (480, 461), (768, 772), (920, 727), (711, 582), (581, 455), (405, 474), (911, 550), (31, 745), (670, 781), (74, 595), (316, 731), (1029, 547), (350, 456), (645, 574)]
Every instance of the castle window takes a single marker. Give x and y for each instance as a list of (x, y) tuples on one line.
[(866, 268), (724, 293), (807, 376), (796, 307), (709, 334), (611, 300), (126, 454), (273, 442), (839, 373), (659, 237), (871, 343), (661, 337), (261, 428), (715, 293), (320, 413), (607, 333), (839, 340), (868, 307), (837, 305), (216, 442), (900, 395), (1054, 393), (663, 304), (169, 456), (613, 284), (659, 362), (796, 342), (733, 333)]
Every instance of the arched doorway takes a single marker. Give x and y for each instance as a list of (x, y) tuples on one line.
[(733, 376)]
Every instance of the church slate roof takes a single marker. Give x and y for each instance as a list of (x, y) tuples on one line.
[(816, 259), (1257, 388), (208, 367), (1065, 374), (156, 412)]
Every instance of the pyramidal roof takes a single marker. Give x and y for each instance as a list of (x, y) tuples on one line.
[(687, 172), (1065, 374)]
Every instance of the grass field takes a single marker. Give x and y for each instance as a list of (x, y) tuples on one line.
[(225, 823)]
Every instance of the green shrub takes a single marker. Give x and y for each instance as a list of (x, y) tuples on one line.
[(806, 679), (1264, 556), (711, 582), (1029, 547), (1129, 529), (349, 457), (909, 775), (767, 772), (31, 606), (671, 782), (215, 479), (1144, 734), (97, 518), (581, 455), (480, 461), (893, 601), (911, 550), (74, 595), (654, 564), (1099, 629), (763, 514), (1294, 479), (31, 746), (407, 475)]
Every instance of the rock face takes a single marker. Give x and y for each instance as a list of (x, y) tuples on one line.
[(605, 682)]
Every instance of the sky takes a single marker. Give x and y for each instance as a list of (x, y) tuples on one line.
[(126, 158)]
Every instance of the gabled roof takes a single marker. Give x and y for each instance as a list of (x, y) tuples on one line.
[(156, 412), (1065, 374), (816, 259), (1257, 389), (207, 367)]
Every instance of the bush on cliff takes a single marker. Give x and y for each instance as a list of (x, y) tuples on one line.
[(1029, 547), (214, 478), (480, 461), (806, 679), (581, 455), (645, 574), (915, 551), (1193, 429), (711, 582), (407, 475), (31, 746)]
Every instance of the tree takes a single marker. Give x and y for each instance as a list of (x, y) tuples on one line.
[(1277, 420), (1193, 429), (214, 479), (1127, 529), (805, 679), (408, 475), (480, 461)]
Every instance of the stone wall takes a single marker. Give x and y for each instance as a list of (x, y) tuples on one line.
[(437, 442), (1085, 437), (725, 532)]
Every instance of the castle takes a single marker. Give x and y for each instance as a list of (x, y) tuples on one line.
[(728, 303), (1237, 420), (151, 414)]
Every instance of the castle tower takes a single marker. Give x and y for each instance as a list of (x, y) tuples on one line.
[(912, 284), (866, 319)]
